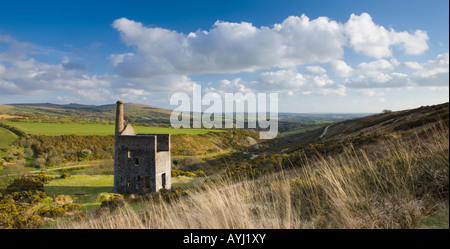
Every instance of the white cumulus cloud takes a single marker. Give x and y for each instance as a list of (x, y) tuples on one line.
[(373, 40), (434, 72), (384, 74), (24, 75), (288, 81), (227, 47), (341, 69)]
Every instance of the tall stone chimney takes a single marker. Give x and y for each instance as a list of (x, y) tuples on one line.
[(119, 118)]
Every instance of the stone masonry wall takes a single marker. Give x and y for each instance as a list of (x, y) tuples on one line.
[(134, 170)]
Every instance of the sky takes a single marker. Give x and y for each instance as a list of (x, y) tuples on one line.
[(324, 56)]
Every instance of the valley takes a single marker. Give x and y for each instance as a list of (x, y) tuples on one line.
[(311, 154)]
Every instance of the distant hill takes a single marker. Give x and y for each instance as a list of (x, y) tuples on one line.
[(140, 113), (134, 112), (320, 116)]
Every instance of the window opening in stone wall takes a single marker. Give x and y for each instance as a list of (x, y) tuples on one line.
[(163, 180), (147, 182)]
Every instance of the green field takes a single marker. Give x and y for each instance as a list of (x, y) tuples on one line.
[(88, 190), (6, 137), (57, 129), (87, 184)]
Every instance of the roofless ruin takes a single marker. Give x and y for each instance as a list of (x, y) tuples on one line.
[(141, 161)]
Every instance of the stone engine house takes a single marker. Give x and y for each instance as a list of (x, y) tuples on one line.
[(141, 161)]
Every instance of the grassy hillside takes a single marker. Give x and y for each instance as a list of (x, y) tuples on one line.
[(6, 138), (390, 178), (388, 121), (374, 124), (388, 170), (405, 186)]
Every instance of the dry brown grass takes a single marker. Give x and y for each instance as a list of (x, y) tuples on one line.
[(353, 190)]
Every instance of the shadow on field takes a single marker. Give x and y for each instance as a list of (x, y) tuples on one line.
[(77, 190)]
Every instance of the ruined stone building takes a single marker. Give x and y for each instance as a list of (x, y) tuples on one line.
[(141, 161)]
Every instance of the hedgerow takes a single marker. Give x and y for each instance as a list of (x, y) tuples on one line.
[(68, 148)]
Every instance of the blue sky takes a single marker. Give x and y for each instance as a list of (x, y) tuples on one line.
[(320, 56)]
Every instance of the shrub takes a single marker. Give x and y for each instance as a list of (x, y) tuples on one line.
[(113, 202), (63, 199), (27, 183), (8, 209), (28, 152), (177, 172), (85, 154), (199, 172), (32, 197), (54, 160), (36, 199), (51, 211), (22, 222), (40, 162), (65, 175), (69, 207), (170, 194)]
